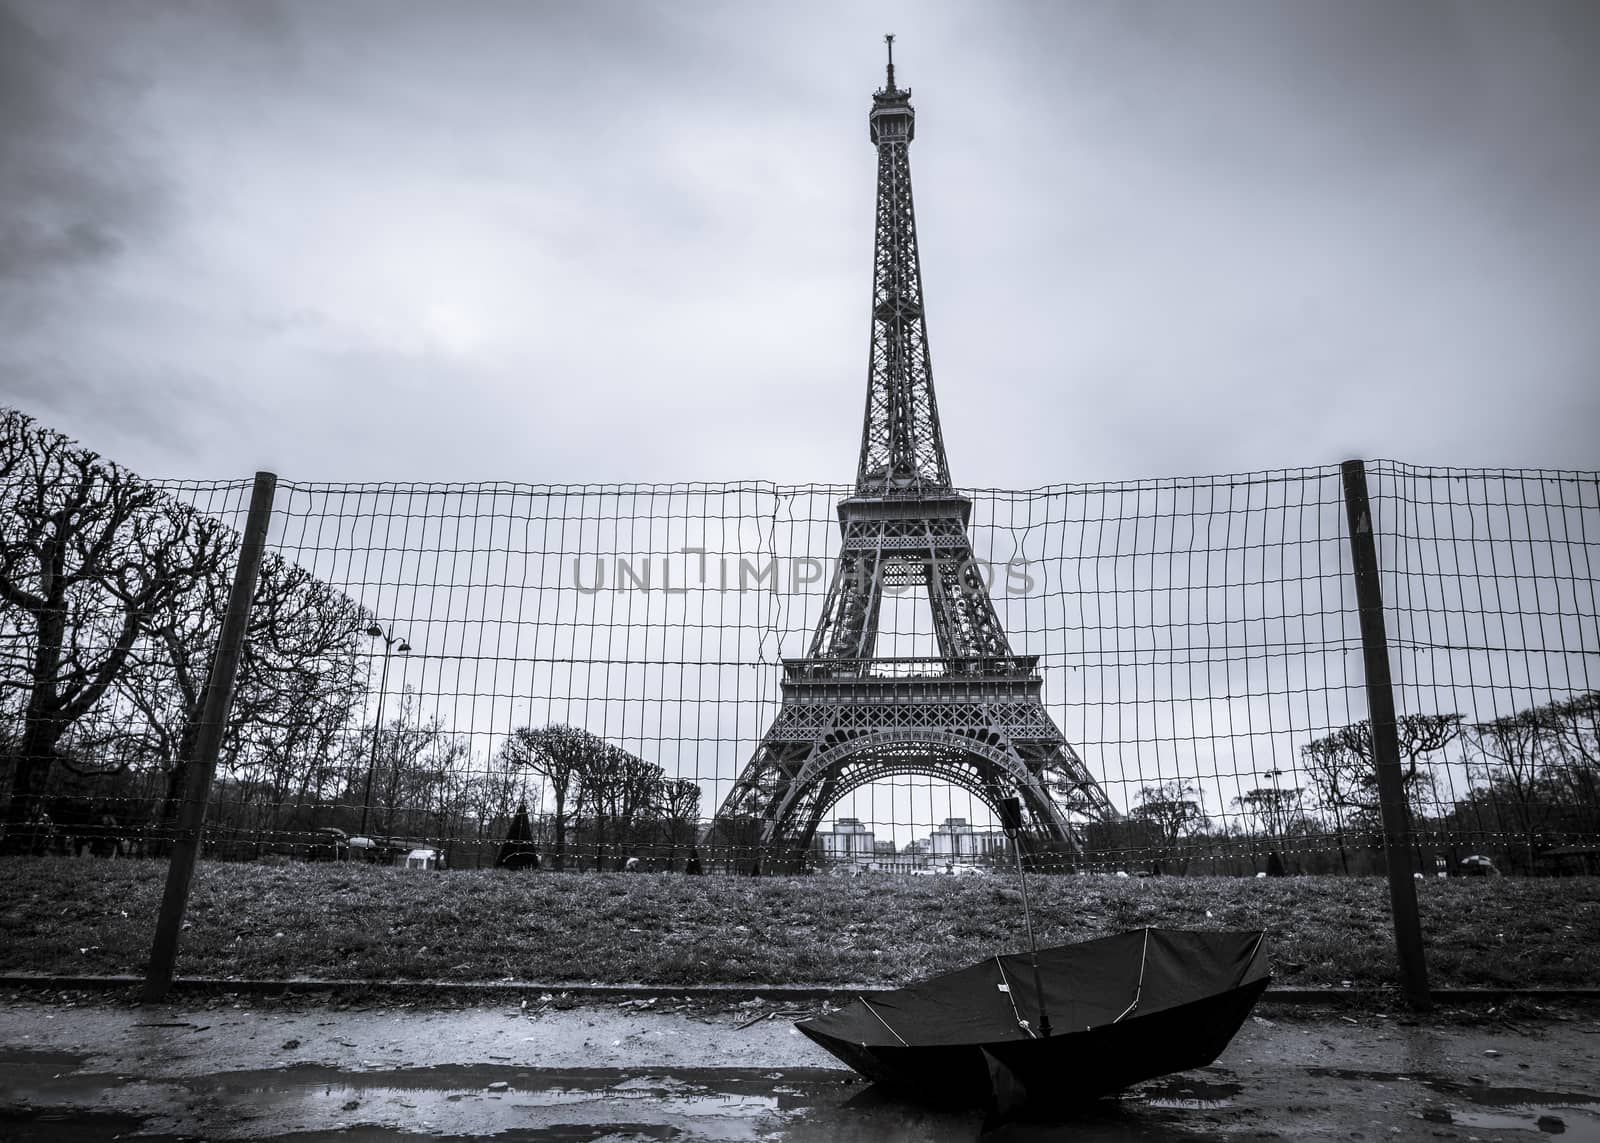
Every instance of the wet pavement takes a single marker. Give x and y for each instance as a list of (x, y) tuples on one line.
[(553, 1072)]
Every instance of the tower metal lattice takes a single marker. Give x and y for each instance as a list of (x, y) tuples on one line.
[(973, 715)]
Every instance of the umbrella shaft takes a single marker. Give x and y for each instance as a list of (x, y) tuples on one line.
[(1033, 951)]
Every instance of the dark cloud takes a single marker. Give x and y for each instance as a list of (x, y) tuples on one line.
[(74, 188), (631, 241), (136, 412)]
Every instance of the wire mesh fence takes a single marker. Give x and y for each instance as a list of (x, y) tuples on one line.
[(477, 674), (1489, 582)]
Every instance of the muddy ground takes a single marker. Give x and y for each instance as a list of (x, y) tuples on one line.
[(545, 1069)]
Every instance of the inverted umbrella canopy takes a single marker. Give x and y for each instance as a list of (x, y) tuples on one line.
[(1123, 1009)]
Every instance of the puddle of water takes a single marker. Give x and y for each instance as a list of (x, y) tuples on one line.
[(829, 1120), (313, 1104), (1354, 1075), (40, 1059), (309, 1103), (1189, 1104), (478, 1077), (33, 1078), (556, 1105), (1572, 1115), (665, 1097), (1579, 1124), (1184, 1094), (78, 1127), (876, 1114), (1487, 1095)]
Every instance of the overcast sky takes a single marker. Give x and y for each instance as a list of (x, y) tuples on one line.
[(631, 241)]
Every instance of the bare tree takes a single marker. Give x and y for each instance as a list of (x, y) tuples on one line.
[(1574, 761), (419, 769), (1271, 809), (678, 805), (1513, 750), (618, 788), (490, 795), (1344, 775), (560, 755), (298, 689), (1171, 812), (88, 552)]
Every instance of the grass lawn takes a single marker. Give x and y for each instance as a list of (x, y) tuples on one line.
[(363, 922)]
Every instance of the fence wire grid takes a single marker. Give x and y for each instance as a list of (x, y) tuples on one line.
[(418, 653)]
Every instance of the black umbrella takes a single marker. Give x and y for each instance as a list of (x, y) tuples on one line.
[(1124, 1008)]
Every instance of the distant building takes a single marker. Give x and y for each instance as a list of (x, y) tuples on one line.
[(959, 841), (954, 843), (848, 841)]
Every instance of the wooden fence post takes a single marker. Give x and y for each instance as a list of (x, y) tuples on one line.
[(208, 742), (1385, 741)]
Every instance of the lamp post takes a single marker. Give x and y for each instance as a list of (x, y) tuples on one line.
[(391, 643), (1277, 804)]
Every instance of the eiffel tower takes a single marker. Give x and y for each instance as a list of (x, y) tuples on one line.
[(973, 716)]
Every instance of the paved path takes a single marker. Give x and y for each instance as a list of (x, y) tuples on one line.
[(240, 1069)]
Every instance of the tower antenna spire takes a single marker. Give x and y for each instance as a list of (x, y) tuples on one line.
[(889, 39)]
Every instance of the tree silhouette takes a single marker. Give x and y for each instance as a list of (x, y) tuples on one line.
[(299, 684), (618, 788), (1573, 757), (1344, 775), (561, 755), (88, 553), (1514, 749), (1171, 812), (678, 805), (1273, 809)]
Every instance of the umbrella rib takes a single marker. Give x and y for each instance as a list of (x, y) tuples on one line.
[(1012, 996), (1138, 989), (884, 1022), (1259, 938)]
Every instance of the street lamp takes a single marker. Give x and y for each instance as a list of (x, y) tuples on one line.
[(1275, 821), (391, 643)]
